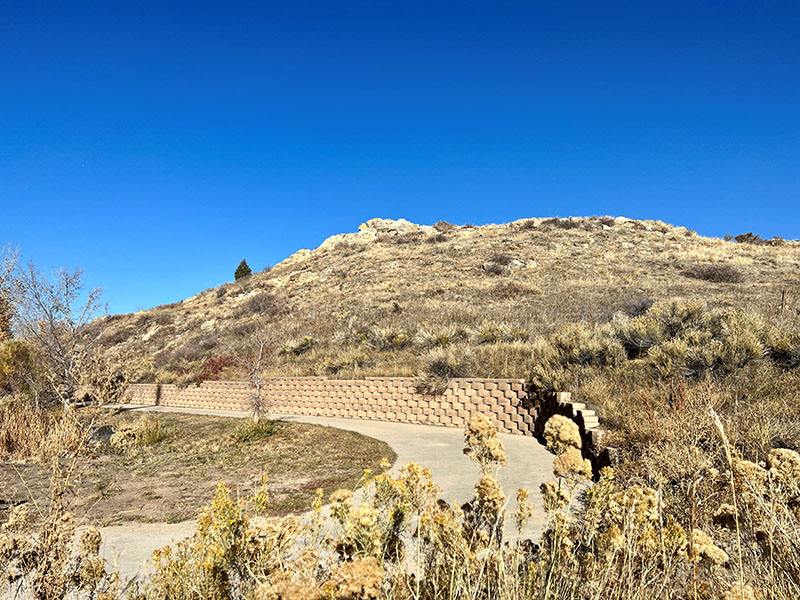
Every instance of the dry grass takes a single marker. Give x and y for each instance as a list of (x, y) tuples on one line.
[(27, 433), (581, 308), (404, 543), (701, 503), (161, 468), (569, 271)]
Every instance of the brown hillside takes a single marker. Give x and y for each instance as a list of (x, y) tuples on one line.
[(380, 301)]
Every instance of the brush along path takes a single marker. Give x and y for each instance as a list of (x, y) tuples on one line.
[(438, 448)]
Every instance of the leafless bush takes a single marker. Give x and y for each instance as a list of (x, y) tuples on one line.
[(715, 273), (264, 304), (52, 313), (556, 223), (8, 268), (195, 348)]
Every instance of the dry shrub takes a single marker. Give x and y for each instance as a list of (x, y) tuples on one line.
[(715, 273), (501, 360), (557, 360), (635, 306), (410, 237), (756, 240), (444, 226), (262, 304), (556, 223), (213, 367), (349, 363), (111, 338), (194, 349), (44, 562), (501, 258), (442, 365), (148, 431), (30, 432), (250, 430), (298, 347), (404, 542), (508, 290), (561, 433), (436, 239)]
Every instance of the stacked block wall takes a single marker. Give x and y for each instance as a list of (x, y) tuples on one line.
[(378, 398), (512, 408)]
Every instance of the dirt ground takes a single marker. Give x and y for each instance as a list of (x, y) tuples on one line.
[(168, 480)]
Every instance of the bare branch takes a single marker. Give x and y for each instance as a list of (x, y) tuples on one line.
[(52, 313)]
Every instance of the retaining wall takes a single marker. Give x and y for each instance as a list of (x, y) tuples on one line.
[(512, 408), (379, 398)]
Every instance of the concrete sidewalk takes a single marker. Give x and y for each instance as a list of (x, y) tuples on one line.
[(440, 449)]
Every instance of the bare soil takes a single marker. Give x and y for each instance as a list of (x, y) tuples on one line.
[(169, 480)]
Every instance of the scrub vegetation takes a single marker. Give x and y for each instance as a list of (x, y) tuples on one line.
[(687, 347)]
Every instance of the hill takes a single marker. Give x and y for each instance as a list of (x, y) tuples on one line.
[(673, 338), (380, 301)]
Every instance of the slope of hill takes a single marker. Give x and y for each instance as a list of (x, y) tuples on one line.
[(376, 301)]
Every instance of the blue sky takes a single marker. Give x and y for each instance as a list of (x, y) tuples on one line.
[(157, 144)]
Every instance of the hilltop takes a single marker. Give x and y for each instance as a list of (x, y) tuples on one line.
[(377, 301)]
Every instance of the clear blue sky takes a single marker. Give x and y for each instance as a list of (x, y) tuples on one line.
[(156, 144)]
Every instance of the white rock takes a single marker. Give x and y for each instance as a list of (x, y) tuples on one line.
[(301, 254), (389, 226)]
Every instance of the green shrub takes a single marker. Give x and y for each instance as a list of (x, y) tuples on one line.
[(576, 344), (20, 368), (388, 339), (683, 339)]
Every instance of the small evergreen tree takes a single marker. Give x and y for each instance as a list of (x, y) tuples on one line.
[(242, 271)]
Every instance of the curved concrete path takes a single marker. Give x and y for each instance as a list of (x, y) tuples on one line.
[(440, 449)]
